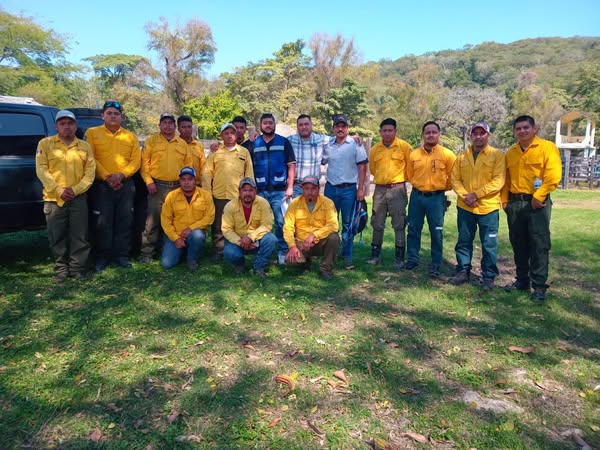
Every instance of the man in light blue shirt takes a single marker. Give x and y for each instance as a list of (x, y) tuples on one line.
[(346, 173)]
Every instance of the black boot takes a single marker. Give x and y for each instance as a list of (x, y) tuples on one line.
[(399, 259), (375, 255)]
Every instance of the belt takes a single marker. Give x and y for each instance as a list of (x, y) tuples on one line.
[(427, 194), (520, 197), (391, 185), (167, 183), (343, 185)]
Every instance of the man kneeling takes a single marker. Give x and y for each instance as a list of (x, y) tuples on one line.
[(185, 217), (246, 226), (311, 229)]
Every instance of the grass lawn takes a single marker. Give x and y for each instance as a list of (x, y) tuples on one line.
[(151, 359)]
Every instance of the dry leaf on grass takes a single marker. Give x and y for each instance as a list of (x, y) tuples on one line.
[(597, 388), (333, 384), (564, 348), (514, 348), (314, 429), (154, 356), (188, 438), (339, 374), (393, 345), (314, 380), (414, 436), (369, 369), (409, 391), (444, 424), (274, 422), (249, 347), (501, 382), (288, 381), (173, 416), (96, 435)]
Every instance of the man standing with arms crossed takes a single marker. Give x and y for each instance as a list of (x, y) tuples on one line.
[(65, 166), (533, 171), (429, 169), (118, 158), (477, 178), (185, 126), (163, 157), (274, 170), (387, 162), (346, 173)]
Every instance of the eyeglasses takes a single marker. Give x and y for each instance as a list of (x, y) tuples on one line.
[(112, 104)]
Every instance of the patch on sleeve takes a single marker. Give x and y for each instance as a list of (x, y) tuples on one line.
[(492, 235), (39, 151)]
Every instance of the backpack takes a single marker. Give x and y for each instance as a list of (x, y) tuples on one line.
[(358, 217)]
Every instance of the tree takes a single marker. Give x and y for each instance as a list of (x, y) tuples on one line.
[(186, 51), (349, 99), (209, 112), (331, 58), (587, 88), (132, 70)]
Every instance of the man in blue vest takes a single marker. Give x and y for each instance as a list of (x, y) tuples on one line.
[(274, 170)]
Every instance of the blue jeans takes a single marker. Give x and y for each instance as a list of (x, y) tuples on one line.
[(488, 235), (275, 199), (343, 199), (297, 191), (193, 243), (433, 207), (234, 254)]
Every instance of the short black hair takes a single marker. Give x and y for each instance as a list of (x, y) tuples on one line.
[(184, 118), (430, 122), (239, 119), (388, 121), (303, 116), (267, 116), (524, 118)]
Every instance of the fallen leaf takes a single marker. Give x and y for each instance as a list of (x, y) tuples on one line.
[(339, 374), (111, 425), (274, 422), (597, 388), (562, 347), (173, 416), (541, 386), (514, 348), (475, 336), (508, 426), (314, 429), (154, 356), (595, 428), (414, 436), (333, 384), (508, 391), (369, 368), (288, 381), (393, 345), (409, 391), (314, 409), (96, 435), (249, 347), (292, 353), (189, 438), (501, 382), (314, 380), (444, 424)]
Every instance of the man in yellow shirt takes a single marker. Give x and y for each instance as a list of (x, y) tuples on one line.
[(387, 163), (246, 225), (163, 156), (533, 171), (185, 217), (65, 165), (311, 229), (118, 157), (185, 126), (477, 178), (429, 169), (222, 174)]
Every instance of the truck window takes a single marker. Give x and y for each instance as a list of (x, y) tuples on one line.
[(20, 133)]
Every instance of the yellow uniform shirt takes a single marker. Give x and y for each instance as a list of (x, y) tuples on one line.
[(198, 159), (431, 171), (234, 225), (542, 160), (388, 164), (177, 214), (224, 169), (300, 222), (162, 160), (117, 152), (483, 176), (59, 166)]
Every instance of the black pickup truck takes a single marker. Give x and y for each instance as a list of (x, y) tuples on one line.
[(21, 128)]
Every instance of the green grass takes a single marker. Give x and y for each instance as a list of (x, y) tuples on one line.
[(179, 360)]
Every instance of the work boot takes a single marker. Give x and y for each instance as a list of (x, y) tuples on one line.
[(517, 285), (538, 295), (399, 258), (459, 278), (375, 255)]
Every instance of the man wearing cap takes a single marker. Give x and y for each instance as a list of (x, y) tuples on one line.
[(387, 163), (163, 156), (533, 171), (311, 229), (185, 217), (346, 172), (274, 170), (246, 225), (222, 174), (477, 178), (118, 157), (185, 126), (65, 165), (429, 169)]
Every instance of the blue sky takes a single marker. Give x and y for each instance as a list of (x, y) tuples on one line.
[(251, 31)]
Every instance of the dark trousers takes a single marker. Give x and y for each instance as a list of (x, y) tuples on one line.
[(327, 248), (488, 235), (112, 213), (433, 207), (152, 231), (529, 232), (68, 234), (218, 241)]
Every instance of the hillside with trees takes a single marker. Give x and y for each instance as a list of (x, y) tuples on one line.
[(543, 77)]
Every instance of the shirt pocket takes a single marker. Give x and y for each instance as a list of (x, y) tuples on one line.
[(438, 166), (533, 169), (398, 160)]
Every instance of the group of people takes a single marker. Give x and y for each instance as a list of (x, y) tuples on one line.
[(262, 195)]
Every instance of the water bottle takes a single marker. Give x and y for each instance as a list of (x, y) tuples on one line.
[(537, 182)]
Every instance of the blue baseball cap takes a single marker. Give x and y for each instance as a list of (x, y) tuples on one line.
[(187, 170)]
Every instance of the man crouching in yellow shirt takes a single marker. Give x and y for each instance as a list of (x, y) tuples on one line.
[(185, 217), (311, 229)]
